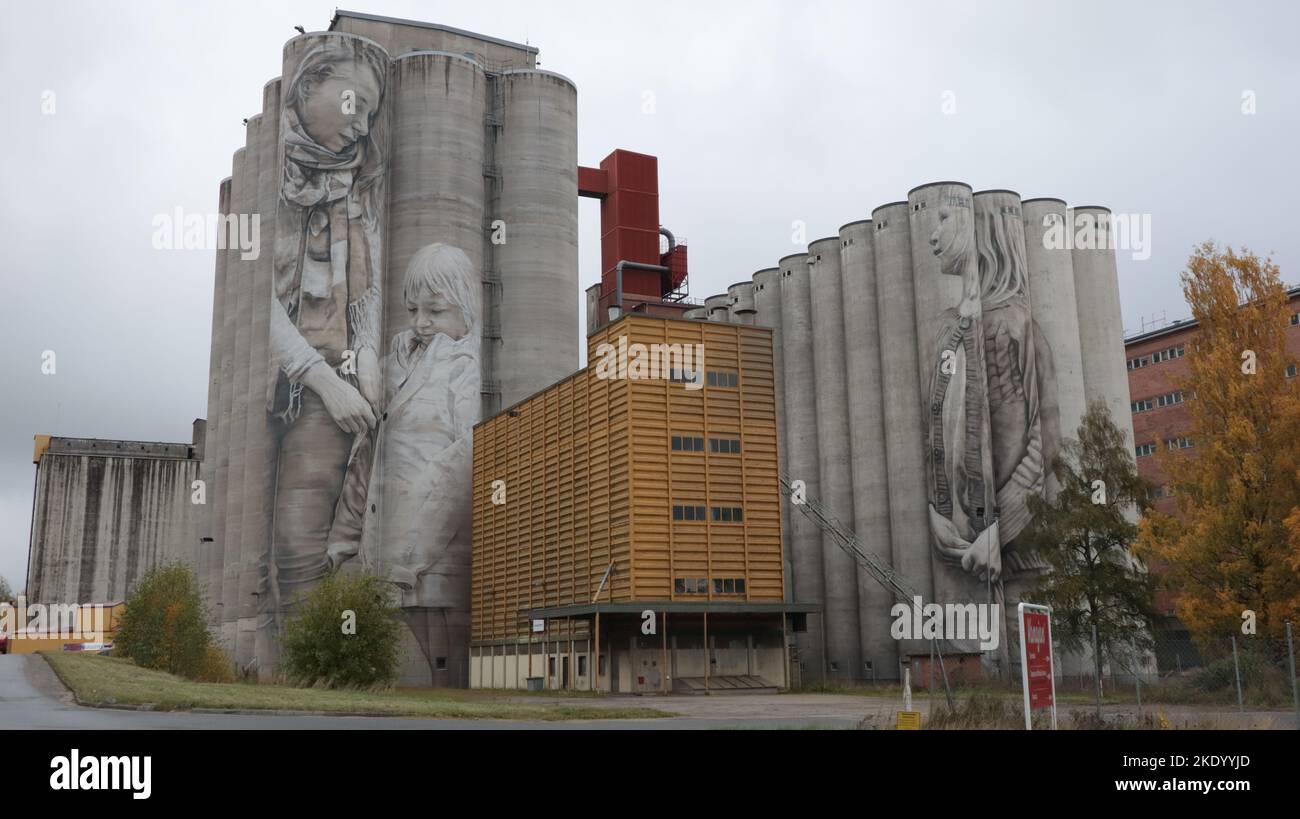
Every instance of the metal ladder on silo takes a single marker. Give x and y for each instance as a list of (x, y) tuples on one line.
[(869, 561)]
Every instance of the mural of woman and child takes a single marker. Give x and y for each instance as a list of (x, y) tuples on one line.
[(992, 411), (374, 453)]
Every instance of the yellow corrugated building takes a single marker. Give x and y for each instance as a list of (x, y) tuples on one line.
[(628, 517)]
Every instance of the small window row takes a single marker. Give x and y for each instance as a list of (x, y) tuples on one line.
[(1181, 442), (700, 585), (1167, 400), (1159, 356), (690, 443), (1146, 449), (682, 376), (689, 512), (725, 445), (1295, 319), (721, 514), (717, 378), (1290, 371), (687, 443)]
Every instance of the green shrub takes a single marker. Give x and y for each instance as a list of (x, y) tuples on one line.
[(165, 626), (343, 634), (217, 667)]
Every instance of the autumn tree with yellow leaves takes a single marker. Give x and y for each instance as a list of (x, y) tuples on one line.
[(1235, 543)]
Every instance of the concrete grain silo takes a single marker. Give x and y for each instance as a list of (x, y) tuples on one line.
[(945, 269), (801, 453), (697, 314), (1055, 308), (718, 307), (839, 569), (259, 457), (208, 569), (1101, 324), (437, 161), (237, 328), (742, 302), (767, 313), (537, 157), (900, 393), (866, 425), (462, 143)]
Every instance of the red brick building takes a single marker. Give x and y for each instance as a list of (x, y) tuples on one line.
[(1156, 362)]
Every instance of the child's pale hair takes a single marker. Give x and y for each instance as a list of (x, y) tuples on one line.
[(448, 272)]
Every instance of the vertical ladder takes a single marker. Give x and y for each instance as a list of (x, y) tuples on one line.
[(869, 561)]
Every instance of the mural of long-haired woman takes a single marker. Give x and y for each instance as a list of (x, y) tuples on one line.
[(1024, 414), (326, 310), (962, 504)]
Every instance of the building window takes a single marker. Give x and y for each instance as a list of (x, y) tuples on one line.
[(726, 446), (679, 586), (729, 586), (727, 514), (683, 512), (740, 585), (1178, 443), (1142, 406), (1146, 449), (1295, 319), (582, 665), (1290, 368), (687, 443), (718, 378), (440, 663)]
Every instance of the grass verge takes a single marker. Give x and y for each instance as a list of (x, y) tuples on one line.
[(100, 680)]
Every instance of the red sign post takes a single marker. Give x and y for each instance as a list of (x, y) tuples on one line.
[(1036, 661)]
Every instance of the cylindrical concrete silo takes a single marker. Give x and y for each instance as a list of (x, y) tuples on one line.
[(259, 448), (1055, 307), (867, 459), (767, 313), (244, 192), (214, 445), (801, 456), (909, 524), (697, 313), (839, 569), (537, 154), (718, 307), (436, 165), (1101, 324), (742, 302), (953, 397)]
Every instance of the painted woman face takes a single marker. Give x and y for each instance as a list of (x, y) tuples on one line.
[(336, 111), (948, 242), (432, 313)]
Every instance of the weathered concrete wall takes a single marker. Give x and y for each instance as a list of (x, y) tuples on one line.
[(104, 513)]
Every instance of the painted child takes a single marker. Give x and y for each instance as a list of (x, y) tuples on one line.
[(411, 525)]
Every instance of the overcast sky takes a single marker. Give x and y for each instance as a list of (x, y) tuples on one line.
[(764, 113)]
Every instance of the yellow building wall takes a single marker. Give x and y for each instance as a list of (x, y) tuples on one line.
[(589, 478)]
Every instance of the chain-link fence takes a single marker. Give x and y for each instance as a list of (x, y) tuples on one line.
[(1171, 680)]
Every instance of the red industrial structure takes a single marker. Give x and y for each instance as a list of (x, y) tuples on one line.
[(637, 275)]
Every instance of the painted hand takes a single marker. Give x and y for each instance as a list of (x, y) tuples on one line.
[(345, 405), (982, 558)]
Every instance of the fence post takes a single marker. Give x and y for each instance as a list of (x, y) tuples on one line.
[(1137, 678), (1290, 655), (1096, 667), (1236, 667)]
